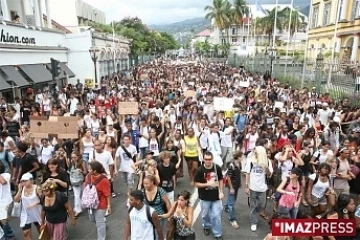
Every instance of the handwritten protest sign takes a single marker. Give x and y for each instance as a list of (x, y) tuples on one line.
[(63, 127), (223, 104), (278, 105), (244, 84), (190, 93), (125, 108)]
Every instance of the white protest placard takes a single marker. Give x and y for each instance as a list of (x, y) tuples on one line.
[(244, 84), (223, 104), (278, 105)]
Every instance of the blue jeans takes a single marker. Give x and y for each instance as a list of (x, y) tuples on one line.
[(286, 211), (211, 216), (8, 231), (143, 152), (230, 203), (85, 157)]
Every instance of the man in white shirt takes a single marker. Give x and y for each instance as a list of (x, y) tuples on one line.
[(257, 170), (124, 158), (73, 101), (105, 158), (324, 113), (226, 142)]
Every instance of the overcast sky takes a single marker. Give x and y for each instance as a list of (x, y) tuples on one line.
[(151, 11)]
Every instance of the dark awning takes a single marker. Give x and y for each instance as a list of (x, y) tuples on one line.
[(62, 74), (36, 72), (67, 70), (14, 76), (3, 84)]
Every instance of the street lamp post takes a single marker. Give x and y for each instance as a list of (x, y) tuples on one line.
[(235, 60), (319, 64), (272, 55), (94, 57)]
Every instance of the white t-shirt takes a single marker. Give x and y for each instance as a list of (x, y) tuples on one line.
[(226, 140), (141, 228), (251, 141), (104, 158), (257, 181), (46, 105), (46, 153), (323, 157), (286, 166), (143, 142), (319, 188), (125, 161), (73, 105), (5, 190)]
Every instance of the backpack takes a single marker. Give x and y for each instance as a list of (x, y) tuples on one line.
[(76, 177), (90, 198), (149, 217)]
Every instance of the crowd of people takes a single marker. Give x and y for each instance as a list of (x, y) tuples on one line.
[(293, 148)]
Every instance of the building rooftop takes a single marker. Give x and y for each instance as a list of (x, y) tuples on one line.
[(204, 33)]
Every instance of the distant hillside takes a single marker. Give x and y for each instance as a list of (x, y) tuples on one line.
[(195, 24)]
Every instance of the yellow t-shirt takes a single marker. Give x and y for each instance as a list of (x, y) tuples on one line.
[(191, 146), (229, 114)]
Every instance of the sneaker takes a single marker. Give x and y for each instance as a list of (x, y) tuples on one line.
[(253, 227), (234, 224), (113, 195), (206, 231), (226, 210), (219, 238)]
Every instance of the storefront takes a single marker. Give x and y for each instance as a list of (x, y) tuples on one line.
[(25, 57)]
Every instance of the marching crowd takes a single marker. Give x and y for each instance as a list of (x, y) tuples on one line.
[(294, 148)]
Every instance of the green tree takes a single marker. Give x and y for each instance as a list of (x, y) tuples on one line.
[(220, 13), (294, 18), (266, 24), (239, 10)]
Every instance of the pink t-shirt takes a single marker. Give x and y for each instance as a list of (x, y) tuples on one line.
[(288, 201)]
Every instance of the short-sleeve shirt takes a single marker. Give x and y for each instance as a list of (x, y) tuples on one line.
[(26, 164), (62, 176), (166, 176), (204, 175), (125, 161), (104, 158)]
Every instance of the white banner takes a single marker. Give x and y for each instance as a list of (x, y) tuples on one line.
[(223, 104)]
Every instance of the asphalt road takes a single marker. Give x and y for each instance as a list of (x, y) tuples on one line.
[(85, 229)]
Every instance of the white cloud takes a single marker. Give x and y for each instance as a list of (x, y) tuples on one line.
[(151, 11)]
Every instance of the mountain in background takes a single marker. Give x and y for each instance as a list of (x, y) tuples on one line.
[(194, 24), (185, 30)]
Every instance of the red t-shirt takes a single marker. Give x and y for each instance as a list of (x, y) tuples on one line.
[(103, 190)]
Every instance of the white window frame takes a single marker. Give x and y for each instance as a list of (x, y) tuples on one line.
[(315, 16), (327, 13)]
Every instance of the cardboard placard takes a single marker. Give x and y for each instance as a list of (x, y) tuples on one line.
[(190, 93), (125, 108), (64, 127), (89, 83), (223, 104)]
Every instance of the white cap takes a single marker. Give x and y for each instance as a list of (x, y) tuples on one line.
[(26, 177)]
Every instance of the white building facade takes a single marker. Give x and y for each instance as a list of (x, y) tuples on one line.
[(243, 39), (27, 47)]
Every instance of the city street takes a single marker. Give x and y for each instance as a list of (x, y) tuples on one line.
[(85, 229)]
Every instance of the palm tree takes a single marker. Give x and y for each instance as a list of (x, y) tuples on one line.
[(220, 13), (296, 21), (240, 8), (215, 49), (266, 24)]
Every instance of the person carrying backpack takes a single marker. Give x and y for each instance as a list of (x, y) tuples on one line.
[(97, 197), (143, 217)]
